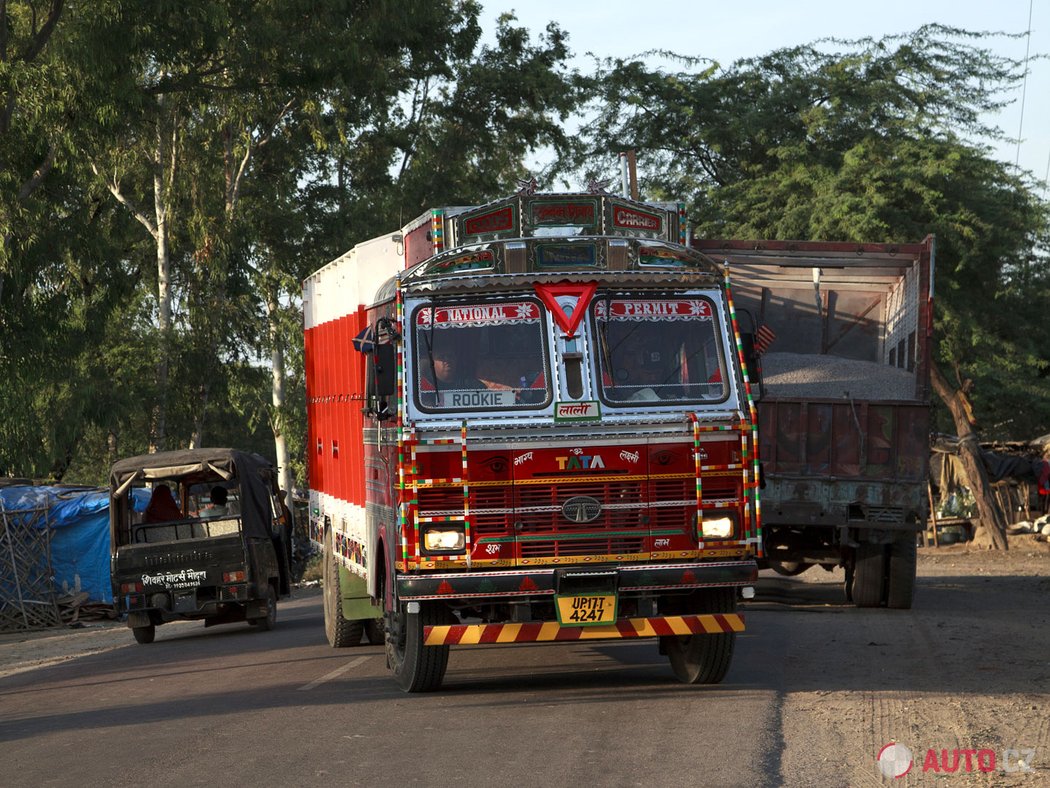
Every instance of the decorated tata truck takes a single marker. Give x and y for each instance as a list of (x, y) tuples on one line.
[(530, 421), (843, 404)]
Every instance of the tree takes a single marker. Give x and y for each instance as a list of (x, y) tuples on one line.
[(171, 174), (64, 255), (879, 141)]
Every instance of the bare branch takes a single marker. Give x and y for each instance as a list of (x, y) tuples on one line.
[(42, 35), (41, 172), (114, 187), (3, 31), (250, 151)]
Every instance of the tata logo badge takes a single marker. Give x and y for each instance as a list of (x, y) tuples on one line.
[(581, 509)]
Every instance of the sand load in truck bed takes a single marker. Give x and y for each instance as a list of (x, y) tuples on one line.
[(802, 375)]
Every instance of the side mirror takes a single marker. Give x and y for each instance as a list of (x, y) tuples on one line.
[(381, 372)]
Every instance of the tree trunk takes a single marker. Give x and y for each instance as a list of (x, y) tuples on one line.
[(991, 521), (284, 471), (161, 183), (197, 438)]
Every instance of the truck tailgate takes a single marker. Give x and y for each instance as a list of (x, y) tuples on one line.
[(174, 565)]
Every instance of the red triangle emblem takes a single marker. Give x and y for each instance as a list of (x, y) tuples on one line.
[(549, 294)]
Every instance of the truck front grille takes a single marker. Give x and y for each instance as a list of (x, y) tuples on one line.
[(532, 515)]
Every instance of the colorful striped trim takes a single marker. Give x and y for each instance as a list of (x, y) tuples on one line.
[(544, 631)]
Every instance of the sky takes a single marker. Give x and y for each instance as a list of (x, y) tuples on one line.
[(727, 32)]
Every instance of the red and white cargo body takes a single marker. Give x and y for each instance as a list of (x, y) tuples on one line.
[(590, 472)]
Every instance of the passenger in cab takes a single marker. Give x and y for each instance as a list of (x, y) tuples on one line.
[(162, 507), (218, 506)]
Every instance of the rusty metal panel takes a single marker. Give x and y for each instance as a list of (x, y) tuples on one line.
[(913, 442), (880, 439), (847, 429), (818, 438), (845, 440), (789, 437)]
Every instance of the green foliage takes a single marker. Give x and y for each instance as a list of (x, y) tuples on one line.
[(279, 133), (876, 141)]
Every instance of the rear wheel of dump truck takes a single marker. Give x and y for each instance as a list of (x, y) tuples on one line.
[(869, 575), (417, 667), (144, 634), (341, 632), (901, 575), (704, 659)]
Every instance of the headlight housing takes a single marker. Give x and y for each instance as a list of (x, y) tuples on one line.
[(717, 527), (444, 539)]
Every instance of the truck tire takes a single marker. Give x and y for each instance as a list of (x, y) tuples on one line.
[(145, 634), (869, 575), (374, 631), (341, 632), (416, 667), (704, 659), (269, 621), (901, 577)]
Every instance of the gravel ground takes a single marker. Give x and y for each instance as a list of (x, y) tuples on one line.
[(801, 375), (968, 668)]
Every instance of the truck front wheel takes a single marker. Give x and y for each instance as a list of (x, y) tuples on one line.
[(704, 659), (341, 632), (417, 667)]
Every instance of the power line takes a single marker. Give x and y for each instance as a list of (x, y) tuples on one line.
[(1024, 82)]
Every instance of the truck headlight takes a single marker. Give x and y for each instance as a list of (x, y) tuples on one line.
[(717, 527), (444, 540)]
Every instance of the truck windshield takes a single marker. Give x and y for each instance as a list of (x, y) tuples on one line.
[(653, 349), (480, 356)]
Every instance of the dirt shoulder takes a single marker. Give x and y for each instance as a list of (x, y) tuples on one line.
[(968, 668), (22, 651)]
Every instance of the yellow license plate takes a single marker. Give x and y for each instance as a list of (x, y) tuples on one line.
[(586, 609)]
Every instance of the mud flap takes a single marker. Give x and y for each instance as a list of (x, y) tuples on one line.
[(255, 608), (138, 618)]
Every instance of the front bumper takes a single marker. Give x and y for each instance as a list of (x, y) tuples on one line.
[(525, 583), (547, 631)]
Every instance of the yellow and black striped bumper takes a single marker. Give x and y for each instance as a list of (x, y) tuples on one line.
[(544, 631)]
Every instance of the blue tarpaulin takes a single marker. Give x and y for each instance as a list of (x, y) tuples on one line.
[(79, 522)]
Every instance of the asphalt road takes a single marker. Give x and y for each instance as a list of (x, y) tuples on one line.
[(233, 706), (817, 688)]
